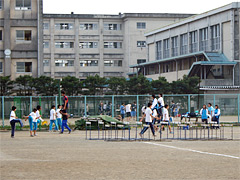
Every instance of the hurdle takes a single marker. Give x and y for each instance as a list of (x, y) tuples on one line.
[(88, 124), (100, 122), (138, 124)]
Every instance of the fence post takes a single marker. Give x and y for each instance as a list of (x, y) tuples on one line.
[(137, 107), (238, 107), (214, 98), (112, 105), (3, 111), (189, 103), (30, 104), (85, 106), (56, 101)]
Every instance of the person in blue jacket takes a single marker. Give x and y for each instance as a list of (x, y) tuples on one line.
[(216, 114), (204, 114)]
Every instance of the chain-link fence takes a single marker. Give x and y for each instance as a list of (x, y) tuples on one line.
[(80, 106)]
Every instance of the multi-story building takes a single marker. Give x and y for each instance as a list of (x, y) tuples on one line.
[(84, 45), (206, 45), (20, 37)]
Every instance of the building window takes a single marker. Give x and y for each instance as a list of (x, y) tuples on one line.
[(183, 44), (24, 35), (166, 47), (140, 61), (115, 27), (64, 45), (1, 67), (1, 36), (141, 43), (0, 4), (64, 63), (115, 63), (193, 37), (113, 45), (215, 37), (64, 26), (88, 63), (141, 25), (204, 39), (45, 63), (174, 46), (23, 67), (23, 5), (88, 26), (45, 26), (45, 45), (86, 45)]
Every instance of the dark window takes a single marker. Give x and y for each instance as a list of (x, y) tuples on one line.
[(23, 5), (1, 35), (24, 35), (141, 25), (24, 66), (139, 61), (1, 67)]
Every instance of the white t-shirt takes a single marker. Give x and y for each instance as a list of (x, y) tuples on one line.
[(161, 101), (165, 114), (154, 103), (12, 114), (52, 114), (128, 108), (59, 115), (148, 113), (38, 114), (33, 115), (143, 109), (155, 113)]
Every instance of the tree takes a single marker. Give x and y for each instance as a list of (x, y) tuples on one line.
[(187, 85), (25, 85), (71, 85), (6, 85), (161, 86), (139, 85), (46, 86), (117, 85), (95, 84)]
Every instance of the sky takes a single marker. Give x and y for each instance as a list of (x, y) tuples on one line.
[(131, 6)]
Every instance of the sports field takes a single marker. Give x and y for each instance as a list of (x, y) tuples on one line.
[(70, 156)]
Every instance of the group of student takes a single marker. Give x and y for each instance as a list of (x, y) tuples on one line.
[(58, 117), (210, 113), (129, 110), (155, 111)]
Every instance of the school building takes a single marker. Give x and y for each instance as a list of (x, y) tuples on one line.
[(204, 45)]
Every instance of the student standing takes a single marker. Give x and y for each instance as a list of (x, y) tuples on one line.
[(122, 111), (52, 118), (204, 114), (59, 117), (64, 121), (65, 100), (133, 110), (210, 110), (38, 115), (161, 104), (216, 114), (148, 119), (128, 111), (166, 117), (32, 118), (13, 120)]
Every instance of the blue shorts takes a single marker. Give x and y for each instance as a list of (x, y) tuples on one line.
[(30, 120), (133, 113), (35, 126)]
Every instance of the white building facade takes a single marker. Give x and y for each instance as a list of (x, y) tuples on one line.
[(204, 45)]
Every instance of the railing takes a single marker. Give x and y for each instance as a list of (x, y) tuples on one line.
[(228, 103)]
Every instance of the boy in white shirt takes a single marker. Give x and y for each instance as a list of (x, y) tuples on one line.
[(13, 120), (32, 118), (128, 111), (59, 117), (161, 105), (148, 120), (39, 117), (166, 117), (52, 118)]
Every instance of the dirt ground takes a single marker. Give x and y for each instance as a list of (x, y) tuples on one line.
[(69, 156)]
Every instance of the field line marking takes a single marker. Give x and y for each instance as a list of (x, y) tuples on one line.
[(191, 150)]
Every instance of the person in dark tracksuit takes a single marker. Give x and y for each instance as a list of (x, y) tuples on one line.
[(13, 120), (64, 121)]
